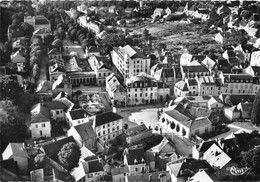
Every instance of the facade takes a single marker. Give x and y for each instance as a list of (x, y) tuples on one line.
[(92, 51), (181, 89), (18, 153), (141, 89), (40, 122), (115, 90), (137, 133), (207, 86), (232, 113), (54, 54), (118, 174), (97, 64), (135, 160), (62, 84), (130, 61), (56, 68), (192, 71), (57, 110), (165, 148), (78, 116), (84, 135), (255, 56), (18, 61), (108, 125)]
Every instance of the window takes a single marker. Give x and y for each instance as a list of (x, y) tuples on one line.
[(151, 88), (36, 126), (113, 129), (146, 94), (98, 134), (136, 169), (141, 95), (135, 95), (41, 132), (103, 126), (99, 74), (43, 125), (117, 127), (57, 112), (104, 132), (136, 89), (108, 131), (151, 94), (108, 125)]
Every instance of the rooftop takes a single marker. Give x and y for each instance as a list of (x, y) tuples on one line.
[(79, 114), (107, 117), (85, 130)]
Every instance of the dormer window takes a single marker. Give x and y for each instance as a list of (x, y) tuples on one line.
[(135, 161), (143, 161)]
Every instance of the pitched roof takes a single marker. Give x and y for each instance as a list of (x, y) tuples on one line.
[(52, 149), (187, 167), (135, 130), (179, 117), (158, 148), (202, 147), (192, 82), (85, 130), (79, 113), (152, 176), (182, 85), (114, 84), (132, 52), (93, 49), (135, 155), (42, 31), (41, 20), (39, 113), (95, 166), (194, 68), (107, 117), (199, 122), (53, 51), (216, 156), (15, 149), (53, 105)]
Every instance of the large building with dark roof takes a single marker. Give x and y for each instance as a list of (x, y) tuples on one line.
[(108, 125)]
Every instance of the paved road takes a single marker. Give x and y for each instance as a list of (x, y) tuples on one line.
[(43, 69)]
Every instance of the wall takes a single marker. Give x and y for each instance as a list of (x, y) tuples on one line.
[(110, 130), (119, 178), (57, 116), (22, 163), (46, 131), (138, 137), (148, 95)]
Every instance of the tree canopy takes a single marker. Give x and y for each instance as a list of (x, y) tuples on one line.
[(69, 155), (255, 113)]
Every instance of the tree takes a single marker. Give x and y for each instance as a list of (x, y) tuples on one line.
[(163, 120), (173, 125), (251, 159), (183, 132), (69, 155), (255, 113), (178, 128), (145, 34), (9, 89)]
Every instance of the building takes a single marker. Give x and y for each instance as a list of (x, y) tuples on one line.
[(108, 125), (119, 173), (56, 109), (182, 169), (62, 84), (158, 13), (18, 61), (215, 104), (203, 176), (18, 153), (255, 56), (162, 176), (56, 68), (207, 86), (164, 149), (38, 22), (115, 90), (181, 89), (138, 133), (92, 51), (54, 54), (78, 116), (199, 149), (141, 89), (42, 32), (40, 122), (192, 71), (164, 73), (135, 160), (130, 61), (112, 9), (84, 135), (193, 86), (98, 65), (184, 123)]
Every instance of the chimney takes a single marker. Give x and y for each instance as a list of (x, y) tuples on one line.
[(150, 177)]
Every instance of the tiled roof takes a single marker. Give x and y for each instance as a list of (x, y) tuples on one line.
[(200, 122), (52, 149), (16, 149), (202, 147), (95, 166), (107, 118), (132, 52), (135, 130), (85, 130), (41, 21), (119, 170), (79, 114), (189, 165), (192, 82), (39, 113), (53, 105), (195, 68), (179, 117), (182, 85), (113, 83), (135, 155)]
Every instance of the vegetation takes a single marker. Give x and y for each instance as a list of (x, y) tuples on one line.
[(69, 155), (251, 159), (255, 114)]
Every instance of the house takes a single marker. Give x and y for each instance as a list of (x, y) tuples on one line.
[(51, 150), (181, 89), (138, 133), (245, 109), (18, 61), (56, 109), (193, 86), (15, 33), (56, 68), (161, 176), (164, 149), (215, 104), (209, 64), (141, 89), (192, 71), (184, 123), (84, 135), (235, 99), (44, 90), (203, 176), (42, 32), (135, 160), (92, 51), (199, 149), (219, 38), (217, 158), (62, 84), (54, 54), (207, 86), (232, 113), (166, 75), (115, 90), (112, 9), (183, 169), (18, 153), (163, 93), (256, 85), (255, 56), (119, 173), (158, 13), (61, 176), (108, 125), (130, 61), (98, 65), (78, 116), (40, 123)]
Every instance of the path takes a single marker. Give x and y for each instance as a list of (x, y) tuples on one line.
[(43, 69)]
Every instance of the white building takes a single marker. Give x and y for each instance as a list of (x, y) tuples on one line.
[(130, 61), (255, 57), (78, 116), (141, 89), (108, 125)]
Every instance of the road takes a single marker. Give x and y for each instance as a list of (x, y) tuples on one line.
[(43, 69)]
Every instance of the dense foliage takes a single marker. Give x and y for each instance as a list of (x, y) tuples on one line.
[(255, 113)]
